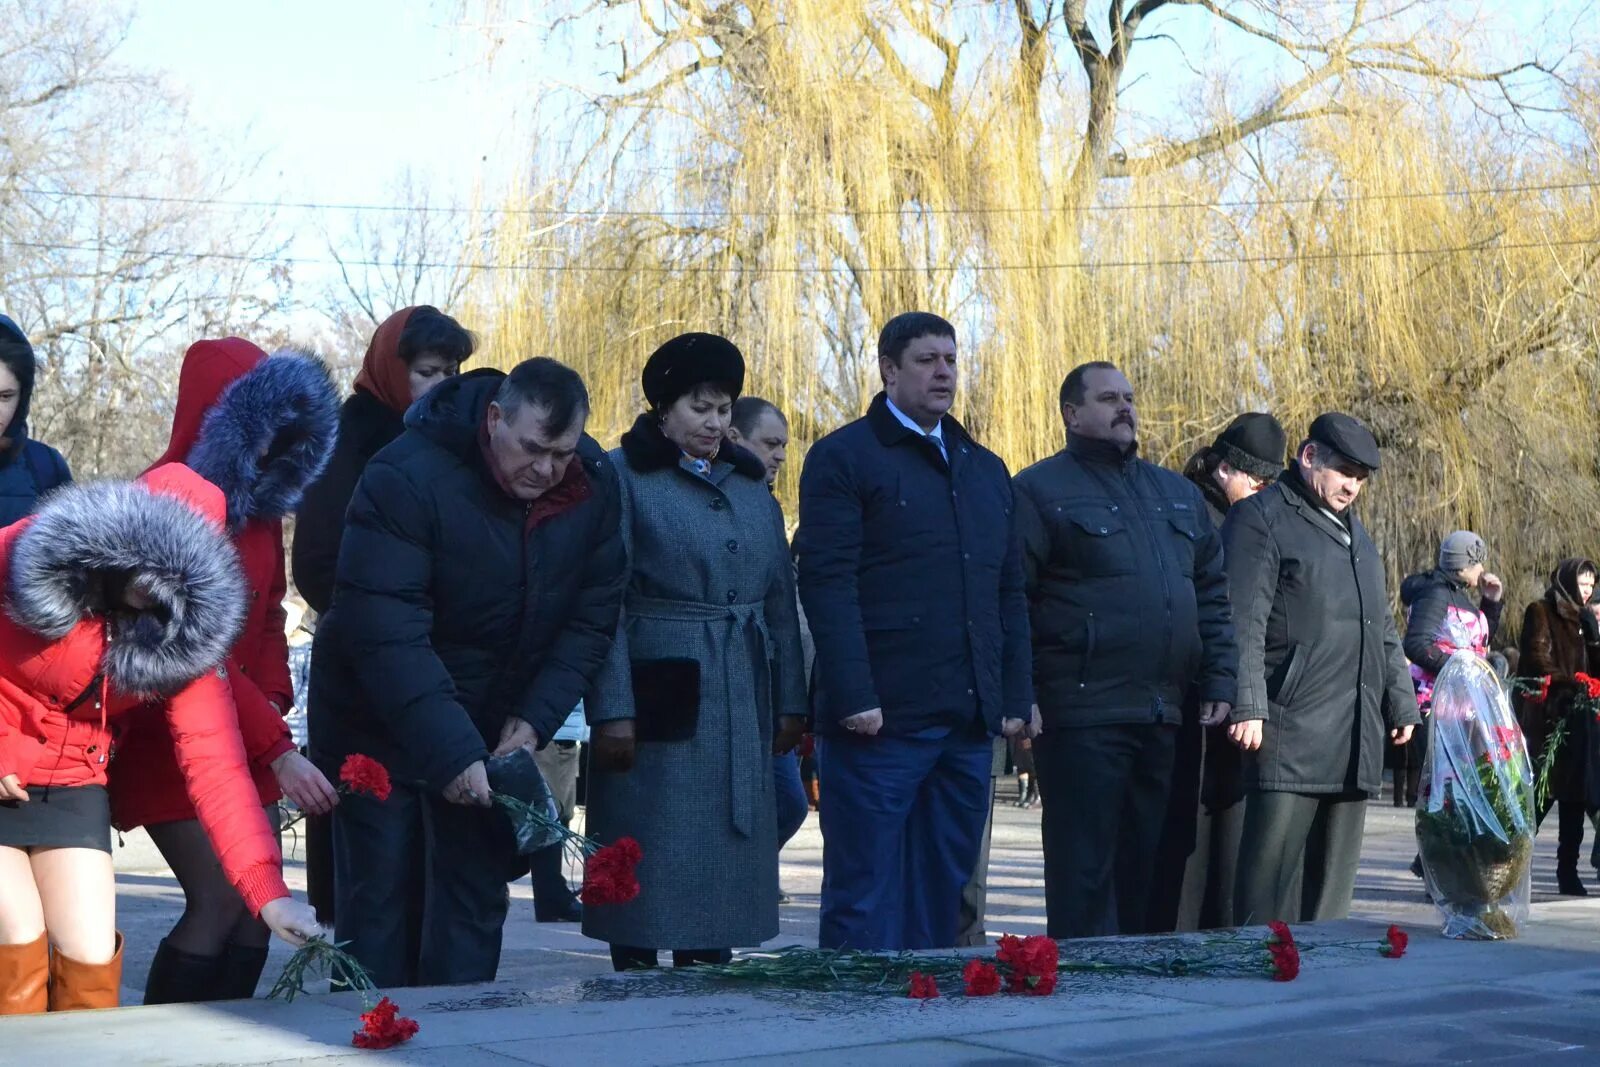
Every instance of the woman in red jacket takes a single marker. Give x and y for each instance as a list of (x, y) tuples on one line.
[(260, 429), (114, 594)]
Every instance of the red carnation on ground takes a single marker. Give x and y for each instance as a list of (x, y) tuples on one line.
[(608, 875), (1280, 933), (363, 774), (1285, 961), (981, 979), (384, 1026), (1394, 944), (1031, 960), (923, 986), (1590, 683), (1041, 985)]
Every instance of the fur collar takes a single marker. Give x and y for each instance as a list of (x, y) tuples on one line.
[(647, 449), (178, 558), (286, 402)]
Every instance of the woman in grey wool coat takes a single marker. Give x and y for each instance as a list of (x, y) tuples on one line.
[(704, 682)]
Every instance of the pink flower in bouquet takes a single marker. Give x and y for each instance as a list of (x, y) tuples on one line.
[(1394, 943), (608, 875), (384, 1027), (923, 986), (981, 979)]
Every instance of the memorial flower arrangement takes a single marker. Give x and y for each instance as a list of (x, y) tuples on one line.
[(1475, 823)]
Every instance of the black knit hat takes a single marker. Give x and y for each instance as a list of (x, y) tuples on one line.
[(1253, 443), (689, 361)]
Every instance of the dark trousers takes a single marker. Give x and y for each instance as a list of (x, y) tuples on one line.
[(1209, 878), (1570, 819), (421, 887), (970, 931), (319, 866), (1105, 797), (902, 822), (1298, 857), (790, 796)]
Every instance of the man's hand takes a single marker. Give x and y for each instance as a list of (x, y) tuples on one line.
[(515, 734), (790, 729), (1401, 734), (1493, 588), (11, 789), (868, 722), (613, 746), (303, 784), (1010, 728), (1215, 712), (1247, 734), (471, 787)]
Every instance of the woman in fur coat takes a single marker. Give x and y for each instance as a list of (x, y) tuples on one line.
[(260, 429), (115, 594), (704, 683)]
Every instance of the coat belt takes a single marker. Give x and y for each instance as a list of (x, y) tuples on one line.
[(747, 771)]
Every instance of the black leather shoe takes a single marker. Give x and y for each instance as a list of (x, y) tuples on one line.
[(571, 911)]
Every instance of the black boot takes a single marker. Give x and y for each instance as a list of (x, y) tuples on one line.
[(241, 970), (553, 901), (1032, 799), (1024, 785), (1567, 883), (179, 977)]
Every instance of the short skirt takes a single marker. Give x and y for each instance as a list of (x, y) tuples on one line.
[(58, 816)]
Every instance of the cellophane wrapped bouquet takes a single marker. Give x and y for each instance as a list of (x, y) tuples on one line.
[(1475, 819)]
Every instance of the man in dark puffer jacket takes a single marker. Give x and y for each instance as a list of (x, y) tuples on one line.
[(478, 588)]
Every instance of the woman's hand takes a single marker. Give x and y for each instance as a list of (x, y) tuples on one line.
[(291, 920), (11, 789), (303, 784)]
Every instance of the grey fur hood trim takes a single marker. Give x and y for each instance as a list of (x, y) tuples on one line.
[(183, 563), (287, 403)]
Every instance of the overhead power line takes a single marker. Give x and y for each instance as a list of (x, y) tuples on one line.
[(930, 268), (910, 210)]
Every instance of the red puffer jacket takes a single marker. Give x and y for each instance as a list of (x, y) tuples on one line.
[(67, 675), (260, 428)]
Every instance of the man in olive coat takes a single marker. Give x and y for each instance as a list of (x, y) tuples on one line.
[(1321, 677)]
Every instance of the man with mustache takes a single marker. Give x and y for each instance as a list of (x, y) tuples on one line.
[(1322, 677), (1129, 612), (912, 582)]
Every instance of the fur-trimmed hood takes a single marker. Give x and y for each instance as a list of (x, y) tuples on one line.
[(236, 404), (163, 534), (648, 449)]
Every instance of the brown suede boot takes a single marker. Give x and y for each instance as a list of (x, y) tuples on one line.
[(24, 974), (75, 986)]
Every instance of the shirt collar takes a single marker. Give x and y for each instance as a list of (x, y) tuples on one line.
[(937, 433)]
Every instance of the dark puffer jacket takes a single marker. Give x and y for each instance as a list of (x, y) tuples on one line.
[(1128, 597), (1319, 655), (28, 469), (457, 606)]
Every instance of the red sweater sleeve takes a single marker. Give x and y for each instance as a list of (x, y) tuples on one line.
[(212, 757)]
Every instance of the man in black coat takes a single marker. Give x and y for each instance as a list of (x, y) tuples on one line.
[(1322, 678), (478, 589), (912, 581), (1129, 613)]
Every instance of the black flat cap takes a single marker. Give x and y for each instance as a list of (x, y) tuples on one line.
[(689, 361), (1253, 443), (1346, 436)]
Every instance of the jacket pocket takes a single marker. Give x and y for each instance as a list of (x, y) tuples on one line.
[(1287, 676), (1181, 540), (1098, 543), (666, 699)]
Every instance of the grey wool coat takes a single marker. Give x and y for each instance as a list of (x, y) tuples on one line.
[(707, 657)]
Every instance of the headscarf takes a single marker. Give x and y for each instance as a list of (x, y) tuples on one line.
[(383, 373), (1564, 581)]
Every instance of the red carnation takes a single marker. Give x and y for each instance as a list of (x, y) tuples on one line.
[(384, 1026), (1041, 985), (1285, 961), (1042, 955), (1394, 945), (1280, 933), (923, 986), (363, 774), (1589, 683), (1543, 693), (981, 979), (608, 876), (1010, 952)]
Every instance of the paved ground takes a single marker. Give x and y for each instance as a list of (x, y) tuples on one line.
[(1447, 1002)]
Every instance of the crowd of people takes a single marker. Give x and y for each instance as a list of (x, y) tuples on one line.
[(1198, 673)]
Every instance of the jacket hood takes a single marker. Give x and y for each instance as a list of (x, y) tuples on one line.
[(648, 449), (260, 428), (383, 373), (163, 534), (1414, 584), (453, 411), (15, 433)]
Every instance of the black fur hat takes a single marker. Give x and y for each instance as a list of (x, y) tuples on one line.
[(1253, 443), (689, 361)]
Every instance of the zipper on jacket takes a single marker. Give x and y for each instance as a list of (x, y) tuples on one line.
[(1088, 651)]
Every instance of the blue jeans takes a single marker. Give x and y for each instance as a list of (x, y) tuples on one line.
[(790, 796)]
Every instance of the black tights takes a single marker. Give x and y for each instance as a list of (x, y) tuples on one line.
[(214, 915)]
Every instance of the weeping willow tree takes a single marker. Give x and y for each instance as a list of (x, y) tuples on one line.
[(1385, 221)]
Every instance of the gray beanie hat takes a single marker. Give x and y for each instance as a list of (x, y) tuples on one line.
[(1461, 550)]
